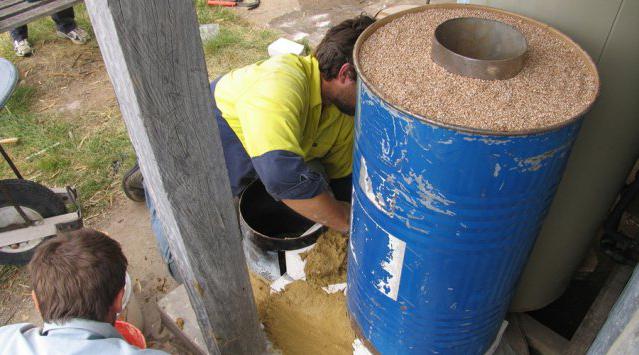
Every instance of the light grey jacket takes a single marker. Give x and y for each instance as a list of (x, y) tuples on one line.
[(76, 336)]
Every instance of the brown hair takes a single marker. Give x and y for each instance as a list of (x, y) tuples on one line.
[(77, 275), (336, 48)]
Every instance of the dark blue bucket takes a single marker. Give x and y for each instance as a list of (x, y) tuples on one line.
[(443, 222)]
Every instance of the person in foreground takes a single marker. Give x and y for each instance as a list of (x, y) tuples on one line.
[(288, 122), (78, 287)]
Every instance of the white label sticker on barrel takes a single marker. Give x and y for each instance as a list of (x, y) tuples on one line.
[(392, 265)]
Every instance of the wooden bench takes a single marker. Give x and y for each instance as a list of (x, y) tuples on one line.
[(14, 13)]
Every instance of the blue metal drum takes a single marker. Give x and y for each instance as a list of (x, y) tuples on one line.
[(443, 222)]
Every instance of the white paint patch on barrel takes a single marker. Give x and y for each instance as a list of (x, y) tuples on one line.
[(350, 243), (497, 170), (393, 265), (429, 196), (367, 186), (539, 161), (488, 141)]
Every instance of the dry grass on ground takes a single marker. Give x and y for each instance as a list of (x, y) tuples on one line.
[(65, 102)]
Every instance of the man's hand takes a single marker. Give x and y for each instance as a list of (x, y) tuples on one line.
[(324, 209)]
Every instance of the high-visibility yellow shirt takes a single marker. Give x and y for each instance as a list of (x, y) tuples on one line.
[(275, 109)]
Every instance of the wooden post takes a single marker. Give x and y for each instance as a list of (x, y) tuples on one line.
[(154, 57)]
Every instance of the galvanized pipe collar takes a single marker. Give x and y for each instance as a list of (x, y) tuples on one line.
[(479, 48)]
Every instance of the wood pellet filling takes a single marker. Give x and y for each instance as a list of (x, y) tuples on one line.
[(556, 84)]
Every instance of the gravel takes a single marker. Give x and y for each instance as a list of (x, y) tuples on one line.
[(555, 85)]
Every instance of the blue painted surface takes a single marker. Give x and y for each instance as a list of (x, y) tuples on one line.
[(443, 222)]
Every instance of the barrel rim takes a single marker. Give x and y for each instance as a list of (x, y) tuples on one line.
[(434, 121)]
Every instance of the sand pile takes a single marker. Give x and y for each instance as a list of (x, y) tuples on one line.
[(261, 291), (303, 319), (555, 85), (326, 262)]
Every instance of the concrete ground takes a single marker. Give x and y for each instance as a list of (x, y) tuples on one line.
[(310, 19)]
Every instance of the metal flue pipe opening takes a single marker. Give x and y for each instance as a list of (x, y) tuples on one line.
[(479, 48)]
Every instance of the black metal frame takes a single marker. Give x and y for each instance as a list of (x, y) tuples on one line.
[(73, 225), (5, 191), (7, 158), (71, 192)]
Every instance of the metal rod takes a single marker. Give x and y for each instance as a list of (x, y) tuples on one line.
[(10, 162)]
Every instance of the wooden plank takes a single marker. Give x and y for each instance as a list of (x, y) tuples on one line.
[(46, 9), (540, 337), (20, 7), (599, 310), (513, 340), (47, 228), (153, 55), (628, 340), (619, 334), (6, 3)]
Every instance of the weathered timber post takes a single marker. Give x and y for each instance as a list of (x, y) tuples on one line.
[(153, 54)]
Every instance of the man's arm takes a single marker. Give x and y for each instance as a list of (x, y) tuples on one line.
[(272, 126), (288, 178), (324, 209)]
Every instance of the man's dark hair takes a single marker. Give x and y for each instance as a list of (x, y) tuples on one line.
[(77, 275), (336, 47)]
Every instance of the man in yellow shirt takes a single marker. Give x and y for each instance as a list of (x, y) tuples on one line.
[(277, 115)]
